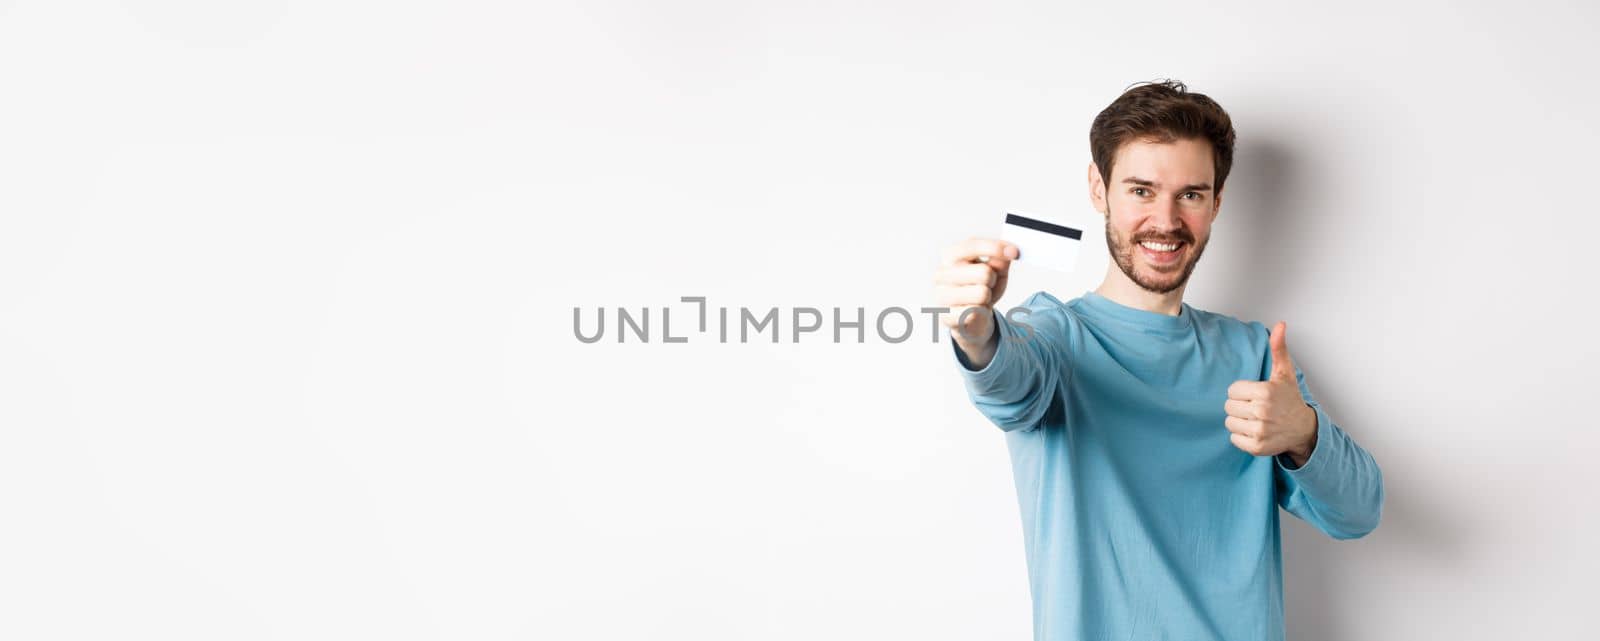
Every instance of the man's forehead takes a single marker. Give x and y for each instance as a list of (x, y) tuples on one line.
[(1186, 162)]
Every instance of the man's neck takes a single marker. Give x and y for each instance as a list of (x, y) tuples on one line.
[(1122, 290)]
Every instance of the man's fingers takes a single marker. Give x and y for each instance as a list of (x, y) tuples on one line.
[(1248, 390), (967, 274), (963, 295), (1250, 446), (970, 249), (1243, 427), (1282, 365), (999, 263), (970, 314), (1243, 409)]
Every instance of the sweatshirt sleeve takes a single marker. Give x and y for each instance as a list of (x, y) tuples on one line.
[(1339, 490), (1015, 388)]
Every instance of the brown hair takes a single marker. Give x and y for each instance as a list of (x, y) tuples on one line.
[(1162, 112)]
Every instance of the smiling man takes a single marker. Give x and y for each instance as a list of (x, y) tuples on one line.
[(1152, 443)]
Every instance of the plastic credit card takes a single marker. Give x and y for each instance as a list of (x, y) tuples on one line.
[(1042, 243)]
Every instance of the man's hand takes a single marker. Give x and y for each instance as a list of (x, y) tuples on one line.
[(972, 275), (1270, 417)]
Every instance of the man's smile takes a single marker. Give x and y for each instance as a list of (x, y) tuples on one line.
[(1159, 253)]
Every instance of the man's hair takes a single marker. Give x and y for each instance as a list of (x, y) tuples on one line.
[(1162, 112)]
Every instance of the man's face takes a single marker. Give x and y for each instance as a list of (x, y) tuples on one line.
[(1160, 194)]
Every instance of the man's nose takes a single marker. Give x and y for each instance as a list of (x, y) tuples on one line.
[(1165, 216)]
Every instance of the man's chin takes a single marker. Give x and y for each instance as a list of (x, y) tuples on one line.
[(1159, 288), (1160, 282)]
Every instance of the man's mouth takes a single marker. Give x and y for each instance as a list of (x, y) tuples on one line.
[(1161, 252)]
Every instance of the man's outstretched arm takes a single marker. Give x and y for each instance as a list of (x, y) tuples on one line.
[(1008, 374), (1015, 388)]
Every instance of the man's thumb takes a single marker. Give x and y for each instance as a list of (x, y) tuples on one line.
[(1282, 365)]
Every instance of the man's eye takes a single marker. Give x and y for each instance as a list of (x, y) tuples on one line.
[(1196, 195), (1139, 191)]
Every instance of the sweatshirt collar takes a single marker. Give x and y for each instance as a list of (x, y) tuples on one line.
[(1140, 317)]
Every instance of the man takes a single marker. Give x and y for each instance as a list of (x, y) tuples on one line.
[(1152, 442)]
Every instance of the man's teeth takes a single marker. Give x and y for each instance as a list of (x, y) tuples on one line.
[(1160, 247)]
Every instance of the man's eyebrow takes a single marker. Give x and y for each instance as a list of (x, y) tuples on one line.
[(1135, 180)]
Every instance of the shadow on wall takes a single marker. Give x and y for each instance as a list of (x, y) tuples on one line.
[(1254, 199), (1319, 571)]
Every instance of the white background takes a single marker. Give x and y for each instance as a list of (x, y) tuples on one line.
[(286, 295)]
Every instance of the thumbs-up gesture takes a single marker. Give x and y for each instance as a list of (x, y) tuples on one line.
[(1270, 417)]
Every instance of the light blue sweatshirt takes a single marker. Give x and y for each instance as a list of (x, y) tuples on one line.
[(1140, 517)]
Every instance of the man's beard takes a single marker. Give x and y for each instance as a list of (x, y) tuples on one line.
[(1122, 252)]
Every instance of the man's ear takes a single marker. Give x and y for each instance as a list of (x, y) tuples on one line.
[(1216, 205), (1097, 189)]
